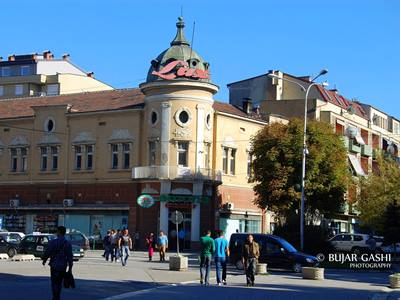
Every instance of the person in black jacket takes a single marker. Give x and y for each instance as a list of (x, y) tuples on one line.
[(60, 253)]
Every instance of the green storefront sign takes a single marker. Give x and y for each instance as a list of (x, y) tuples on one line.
[(184, 198)]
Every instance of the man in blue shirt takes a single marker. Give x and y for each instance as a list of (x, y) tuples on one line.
[(221, 254), (60, 253), (162, 244)]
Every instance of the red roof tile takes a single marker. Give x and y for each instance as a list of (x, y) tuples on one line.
[(81, 102)]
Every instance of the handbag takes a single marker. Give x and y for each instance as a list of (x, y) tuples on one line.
[(69, 281)]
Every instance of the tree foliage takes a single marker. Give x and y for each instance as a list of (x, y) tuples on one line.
[(277, 153), (378, 191)]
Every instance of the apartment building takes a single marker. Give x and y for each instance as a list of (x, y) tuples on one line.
[(83, 160), (34, 75), (365, 129)]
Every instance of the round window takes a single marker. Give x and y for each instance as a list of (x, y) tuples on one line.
[(184, 117), (208, 120), (153, 117)]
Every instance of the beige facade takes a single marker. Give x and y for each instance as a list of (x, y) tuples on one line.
[(40, 75)]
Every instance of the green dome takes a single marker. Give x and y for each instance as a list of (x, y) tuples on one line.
[(190, 67)]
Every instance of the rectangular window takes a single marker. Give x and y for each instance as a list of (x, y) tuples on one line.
[(1, 90), (14, 160), (25, 70), (52, 89), (127, 155), (183, 154), (232, 161), (43, 158), (24, 159), (114, 156), (78, 157), (89, 157), (54, 158), (152, 153), (249, 161), (225, 152), (5, 71), (19, 89)]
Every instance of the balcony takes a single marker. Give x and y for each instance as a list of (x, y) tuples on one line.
[(354, 147), (366, 150), (175, 172)]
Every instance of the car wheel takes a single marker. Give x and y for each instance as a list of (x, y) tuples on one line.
[(356, 251), (239, 265), (11, 252), (297, 267)]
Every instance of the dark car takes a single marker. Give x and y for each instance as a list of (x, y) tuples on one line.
[(77, 238), (8, 247), (274, 251), (36, 245)]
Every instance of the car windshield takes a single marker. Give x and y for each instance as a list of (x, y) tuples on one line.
[(288, 247)]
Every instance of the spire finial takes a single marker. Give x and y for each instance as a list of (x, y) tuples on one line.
[(180, 36)]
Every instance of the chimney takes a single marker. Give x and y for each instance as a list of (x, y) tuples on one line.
[(1, 58), (247, 105), (11, 57), (90, 74), (65, 56), (47, 54), (335, 90)]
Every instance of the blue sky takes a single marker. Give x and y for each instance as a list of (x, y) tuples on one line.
[(358, 41)]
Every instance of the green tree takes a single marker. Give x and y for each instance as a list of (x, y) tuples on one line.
[(277, 153), (377, 192)]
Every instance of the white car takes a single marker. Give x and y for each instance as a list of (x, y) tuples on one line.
[(12, 237), (353, 242)]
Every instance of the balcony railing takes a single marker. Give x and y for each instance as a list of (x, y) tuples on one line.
[(366, 150), (353, 147), (174, 172)]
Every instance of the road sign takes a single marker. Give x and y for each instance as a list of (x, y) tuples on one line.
[(177, 217), (145, 201)]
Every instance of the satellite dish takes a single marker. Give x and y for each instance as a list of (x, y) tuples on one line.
[(350, 109), (391, 149)]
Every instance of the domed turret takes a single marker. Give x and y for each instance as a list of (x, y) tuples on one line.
[(179, 62)]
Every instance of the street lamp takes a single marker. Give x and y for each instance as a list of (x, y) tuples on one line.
[(303, 166)]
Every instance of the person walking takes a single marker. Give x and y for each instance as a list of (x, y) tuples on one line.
[(125, 245), (150, 242), (250, 255), (114, 245), (220, 257), (162, 244), (207, 250), (107, 245), (59, 251)]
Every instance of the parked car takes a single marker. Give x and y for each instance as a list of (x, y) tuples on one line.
[(274, 250), (355, 243), (12, 237), (77, 238), (10, 248), (36, 245), (390, 249)]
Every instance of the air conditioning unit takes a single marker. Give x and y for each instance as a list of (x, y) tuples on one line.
[(230, 206), (14, 202), (68, 202)]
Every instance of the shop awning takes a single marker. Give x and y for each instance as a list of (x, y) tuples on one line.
[(356, 164)]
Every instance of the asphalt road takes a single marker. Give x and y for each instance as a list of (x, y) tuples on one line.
[(97, 279)]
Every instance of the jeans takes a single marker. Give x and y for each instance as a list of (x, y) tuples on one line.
[(107, 252), (220, 263), (124, 254), (205, 265), (56, 282), (251, 270), (114, 252)]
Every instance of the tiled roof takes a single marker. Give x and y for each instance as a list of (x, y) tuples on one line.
[(334, 98), (94, 101), (81, 102)]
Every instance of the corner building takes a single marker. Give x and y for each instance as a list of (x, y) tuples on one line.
[(82, 160)]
